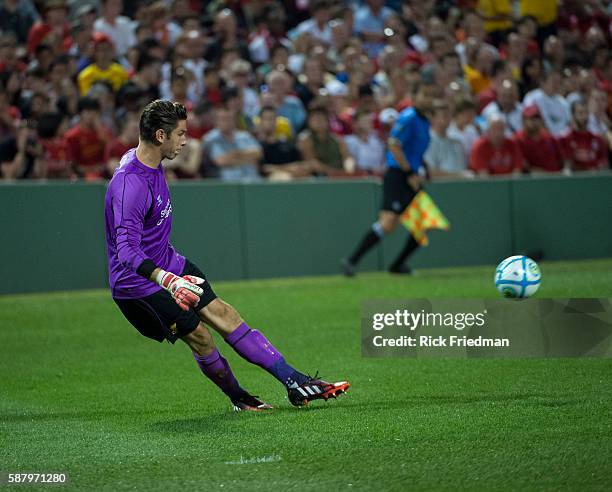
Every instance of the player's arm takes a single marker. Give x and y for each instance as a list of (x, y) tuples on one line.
[(130, 205), (395, 147)]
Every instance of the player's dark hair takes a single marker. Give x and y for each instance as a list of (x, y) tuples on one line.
[(160, 115)]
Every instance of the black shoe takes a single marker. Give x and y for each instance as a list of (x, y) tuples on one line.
[(400, 270), (315, 389), (250, 403), (348, 269)]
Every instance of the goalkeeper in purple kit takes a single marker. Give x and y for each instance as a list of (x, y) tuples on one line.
[(165, 296)]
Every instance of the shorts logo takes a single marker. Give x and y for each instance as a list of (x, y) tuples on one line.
[(173, 328), (396, 205)]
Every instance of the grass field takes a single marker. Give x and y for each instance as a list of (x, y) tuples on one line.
[(82, 393)]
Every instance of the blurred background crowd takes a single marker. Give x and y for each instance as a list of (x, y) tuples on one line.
[(286, 89)]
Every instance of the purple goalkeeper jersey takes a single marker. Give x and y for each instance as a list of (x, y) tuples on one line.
[(138, 217)]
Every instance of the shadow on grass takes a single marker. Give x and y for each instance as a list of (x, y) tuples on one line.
[(348, 408)]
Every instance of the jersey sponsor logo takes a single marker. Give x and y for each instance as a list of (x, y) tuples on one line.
[(165, 213)]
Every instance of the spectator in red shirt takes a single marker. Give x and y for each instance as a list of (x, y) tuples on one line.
[(581, 149), (54, 31), (87, 140), (54, 162), (494, 153), (127, 139), (539, 148)]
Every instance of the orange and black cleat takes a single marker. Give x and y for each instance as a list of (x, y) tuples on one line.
[(316, 389)]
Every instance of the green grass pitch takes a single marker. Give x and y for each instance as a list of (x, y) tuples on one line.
[(82, 392)]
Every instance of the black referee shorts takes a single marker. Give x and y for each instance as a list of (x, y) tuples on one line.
[(397, 193), (159, 317)]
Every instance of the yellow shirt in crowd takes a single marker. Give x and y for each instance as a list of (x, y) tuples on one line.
[(545, 11), (491, 8), (115, 75)]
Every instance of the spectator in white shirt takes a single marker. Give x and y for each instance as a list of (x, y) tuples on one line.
[(240, 72), (118, 27), (462, 126), (365, 146), (444, 156), (318, 25), (552, 105), (599, 122), (507, 106)]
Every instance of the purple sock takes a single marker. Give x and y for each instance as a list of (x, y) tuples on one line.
[(216, 368), (253, 346)]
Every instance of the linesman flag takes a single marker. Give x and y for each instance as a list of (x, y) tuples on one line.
[(421, 215)]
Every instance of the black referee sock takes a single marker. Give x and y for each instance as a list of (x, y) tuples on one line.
[(371, 238), (409, 248)]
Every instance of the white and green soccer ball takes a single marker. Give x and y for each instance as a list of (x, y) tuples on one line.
[(518, 276)]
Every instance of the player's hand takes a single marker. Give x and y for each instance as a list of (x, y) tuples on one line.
[(414, 180), (184, 290)]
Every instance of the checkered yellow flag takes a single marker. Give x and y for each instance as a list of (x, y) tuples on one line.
[(421, 215)]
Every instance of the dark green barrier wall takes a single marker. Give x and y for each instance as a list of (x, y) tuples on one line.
[(53, 234)]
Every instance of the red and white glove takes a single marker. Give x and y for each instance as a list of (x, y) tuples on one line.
[(184, 290)]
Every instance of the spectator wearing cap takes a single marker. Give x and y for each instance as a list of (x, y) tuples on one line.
[(54, 30), (17, 17), (540, 150), (87, 141), (236, 153), (365, 146), (369, 24), (507, 105), (286, 104), (581, 149), (327, 151), (444, 155), (494, 153), (552, 105), (340, 122), (103, 68), (118, 27)]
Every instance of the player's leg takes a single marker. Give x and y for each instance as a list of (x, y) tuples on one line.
[(399, 264), (395, 200), (211, 362), (253, 346), (250, 344)]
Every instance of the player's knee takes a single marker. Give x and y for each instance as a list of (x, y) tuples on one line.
[(200, 340), (221, 315), (388, 224)]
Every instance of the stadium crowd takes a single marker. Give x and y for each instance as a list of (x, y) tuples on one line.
[(286, 89)]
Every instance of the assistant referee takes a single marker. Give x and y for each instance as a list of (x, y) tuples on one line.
[(406, 146)]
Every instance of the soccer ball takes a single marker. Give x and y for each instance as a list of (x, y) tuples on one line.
[(518, 276)]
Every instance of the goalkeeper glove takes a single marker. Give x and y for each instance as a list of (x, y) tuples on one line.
[(184, 290)]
